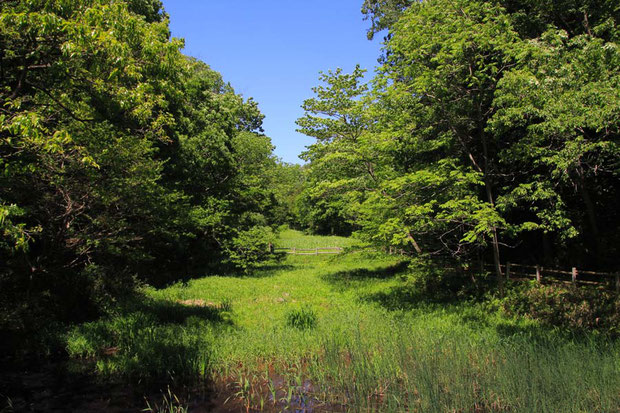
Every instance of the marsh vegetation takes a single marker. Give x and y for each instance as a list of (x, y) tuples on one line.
[(349, 332)]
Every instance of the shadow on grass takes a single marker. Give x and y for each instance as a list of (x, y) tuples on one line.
[(114, 362), (343, 280), (460, 295), (148, 340), (266, 269), (478, 314), (399, 298), (434, 285), (176, 312)]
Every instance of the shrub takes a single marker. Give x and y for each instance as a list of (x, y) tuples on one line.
[(251, 247), (577, 308), (431, 281)]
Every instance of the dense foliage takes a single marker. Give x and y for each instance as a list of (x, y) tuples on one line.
[(491, 129), (121, 159)]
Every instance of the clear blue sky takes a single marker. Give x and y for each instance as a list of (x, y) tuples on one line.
[(273, 50)]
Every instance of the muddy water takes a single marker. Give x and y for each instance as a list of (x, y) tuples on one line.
[(278, 393), (68, 387)]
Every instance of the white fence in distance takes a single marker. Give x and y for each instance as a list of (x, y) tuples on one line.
[(308, 251)]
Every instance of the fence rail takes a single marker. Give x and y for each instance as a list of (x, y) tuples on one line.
[(308, 251), (577, 276)]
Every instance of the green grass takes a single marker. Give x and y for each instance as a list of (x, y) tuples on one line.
[(290, 238), (323, 332)]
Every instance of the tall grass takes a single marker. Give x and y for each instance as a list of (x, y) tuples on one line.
[(437, 370), (359, 344)]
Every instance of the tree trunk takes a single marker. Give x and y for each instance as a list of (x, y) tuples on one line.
[(495, 239), (547, 250), (495, 242), (413, 241), (591, 214)]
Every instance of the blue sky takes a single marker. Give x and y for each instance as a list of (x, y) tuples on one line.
[(273, 50)]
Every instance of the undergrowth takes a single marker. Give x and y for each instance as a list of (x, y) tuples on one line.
[(583, 309)]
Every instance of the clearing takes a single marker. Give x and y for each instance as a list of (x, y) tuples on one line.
[(347, 332)]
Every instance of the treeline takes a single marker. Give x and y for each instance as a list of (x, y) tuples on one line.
[(122, 160), (490, 130)]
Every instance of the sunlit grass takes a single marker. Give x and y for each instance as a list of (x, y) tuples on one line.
[(354, 350), (291, 238)]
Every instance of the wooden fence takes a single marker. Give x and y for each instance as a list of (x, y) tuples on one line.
[(515, 272), (308, 251), (520, 272)]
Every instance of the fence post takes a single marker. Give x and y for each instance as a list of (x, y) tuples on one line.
[(574, 275), (316, 251), (538, 273), (294, 251), (270, 248), (508, 270)]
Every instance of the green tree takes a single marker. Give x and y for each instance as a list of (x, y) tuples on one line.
[(560, 107), (481, 129), (449, 56), (288, 183), (383, 14), (121, 158), (341, 161)]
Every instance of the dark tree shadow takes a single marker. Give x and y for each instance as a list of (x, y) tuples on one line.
[(473, 313), (151, 343), (266, 269), (263, 271), (435, 286), (458, 294), (398, 298), (176, 312), (343, 280)]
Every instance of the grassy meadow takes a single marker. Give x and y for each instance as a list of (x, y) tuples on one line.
[(290, 238), (347, 333)]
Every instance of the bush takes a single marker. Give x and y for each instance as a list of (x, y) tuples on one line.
[(431, 281), (577, 308), (251, 247)]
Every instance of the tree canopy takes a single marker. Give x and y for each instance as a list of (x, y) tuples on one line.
[(485, 131), (121, 158)]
